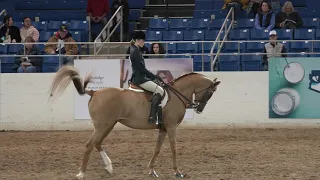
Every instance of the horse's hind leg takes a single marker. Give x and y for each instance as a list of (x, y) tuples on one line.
[(105, 158), (98, 135), (161, 137)]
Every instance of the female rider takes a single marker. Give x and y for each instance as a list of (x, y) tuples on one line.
[(141, 76)]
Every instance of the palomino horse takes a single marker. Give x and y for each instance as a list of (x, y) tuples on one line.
[(131, 108)]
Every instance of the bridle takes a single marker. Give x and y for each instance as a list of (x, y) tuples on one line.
[(195, 105)]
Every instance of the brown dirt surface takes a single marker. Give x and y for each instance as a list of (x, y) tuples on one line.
[(202, 154)]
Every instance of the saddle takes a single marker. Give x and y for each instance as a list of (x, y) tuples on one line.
[(148, 94)]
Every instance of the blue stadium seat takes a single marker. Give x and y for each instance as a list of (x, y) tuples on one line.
[(211, 35), (255, 47), (195, 35), (301, 46), (318, 34), (301, 55), (304, 34), (78, 25), (310, 23), (41, 25), (77, 36), (7, 64), (203, 4), (170, 47), (256, 34), (218, 4), (207, 47), (243, 34), (179, 24), (200, 23), (134, 14), (45, 36), (172, 35), (234, 47), (158, 24), (50, 64), (154, 35), (251, 62), (14, 48), (209, 13), (3, 49), (284, 34), (197, 63), (229, 63), (217, 23), (55, 25), (187, 47), (245, 23)]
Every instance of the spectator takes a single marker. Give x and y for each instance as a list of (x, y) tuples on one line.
[(237, 5), (28, 30), (253, 7), (9, 33), (157, 48), (265, 18), (63, 35), (98, 11), (273, 49), (288, 18), (27, 64), (115, 5)]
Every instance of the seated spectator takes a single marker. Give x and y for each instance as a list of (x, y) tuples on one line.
[(63, 35), (28, 30), (273, 49), (157, 48), (288, 18), (237, 5), (253, 7), (9, 33), (265, 18), (27, 64), (98, 11)]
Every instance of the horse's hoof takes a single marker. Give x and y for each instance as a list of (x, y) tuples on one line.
[(109, 170), (153, 174), (80, 175), (180, 175)]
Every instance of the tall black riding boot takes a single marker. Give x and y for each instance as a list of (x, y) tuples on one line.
[(156, 100)]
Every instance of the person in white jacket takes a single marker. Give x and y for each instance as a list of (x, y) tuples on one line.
[(28, 30)]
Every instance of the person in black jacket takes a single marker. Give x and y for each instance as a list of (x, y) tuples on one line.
[(141, 76), (144, 50), (288, 18), (9, 33)]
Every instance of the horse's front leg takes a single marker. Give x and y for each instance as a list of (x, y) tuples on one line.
[(161, 137), (172, 140)]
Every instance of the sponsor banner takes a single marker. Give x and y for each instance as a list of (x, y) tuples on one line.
[(105, 73), (116, 73), (294, 88)]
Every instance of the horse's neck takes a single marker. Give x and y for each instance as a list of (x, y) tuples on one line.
[(185, 88)]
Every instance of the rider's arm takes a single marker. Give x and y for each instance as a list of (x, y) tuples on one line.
[(138, 65)]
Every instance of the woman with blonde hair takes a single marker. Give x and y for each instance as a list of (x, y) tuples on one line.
[(288, 18)]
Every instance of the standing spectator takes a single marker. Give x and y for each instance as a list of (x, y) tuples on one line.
[(9, 33), (288, 18), (63, 35), (253, 7), (98, 11), (157, 48), (115, 5), (27, 64), (28, 30), (265, 18), (273, 49)]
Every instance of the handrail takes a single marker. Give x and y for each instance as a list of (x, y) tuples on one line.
[(3, 12), (224, 25), (107, 25)]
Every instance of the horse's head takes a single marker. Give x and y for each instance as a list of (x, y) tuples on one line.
[(203, 92)]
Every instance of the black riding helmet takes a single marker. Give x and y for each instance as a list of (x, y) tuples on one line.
[(139, 35)]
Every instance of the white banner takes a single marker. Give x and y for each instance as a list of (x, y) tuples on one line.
[(105, 73)]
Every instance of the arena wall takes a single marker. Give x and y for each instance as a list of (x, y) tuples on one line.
[(240, 101)]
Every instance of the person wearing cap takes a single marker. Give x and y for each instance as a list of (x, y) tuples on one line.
[(63, 35), (9, 33), (273, 49), (143, 77)]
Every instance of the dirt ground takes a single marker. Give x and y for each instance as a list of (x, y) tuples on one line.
[(202, 154)]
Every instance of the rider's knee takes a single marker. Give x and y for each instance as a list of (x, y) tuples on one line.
[(160, 90)]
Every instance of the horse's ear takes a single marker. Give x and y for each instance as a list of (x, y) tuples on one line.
[(215, 79), (216, 83)]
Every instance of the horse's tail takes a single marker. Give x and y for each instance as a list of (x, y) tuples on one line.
[(62, 79)]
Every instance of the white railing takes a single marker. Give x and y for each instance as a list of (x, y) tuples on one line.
[(3, 12), (226, 32), (106, 27)]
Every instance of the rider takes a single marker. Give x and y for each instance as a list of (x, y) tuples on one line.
[(141, 76)]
